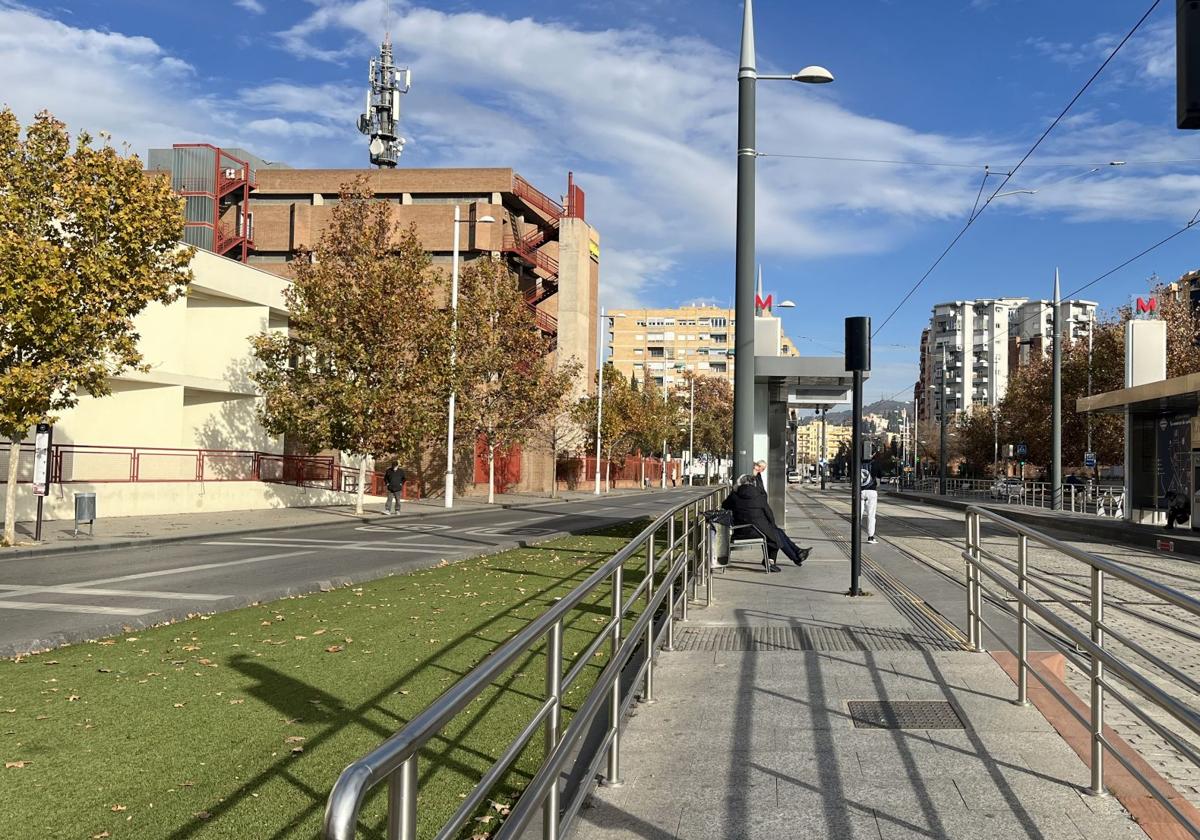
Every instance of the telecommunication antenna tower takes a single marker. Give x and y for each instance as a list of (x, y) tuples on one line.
[(381, 120)]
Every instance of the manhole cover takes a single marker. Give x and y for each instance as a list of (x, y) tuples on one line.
[(904, 714)]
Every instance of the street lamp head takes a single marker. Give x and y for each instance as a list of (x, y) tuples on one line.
[(485, 220), (813, 74), (786, 304)]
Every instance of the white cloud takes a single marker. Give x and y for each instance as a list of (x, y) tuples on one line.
[(251, 6), (646, 122)]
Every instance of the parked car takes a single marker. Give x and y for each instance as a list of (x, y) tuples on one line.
[(793, 477), (1006, 488)]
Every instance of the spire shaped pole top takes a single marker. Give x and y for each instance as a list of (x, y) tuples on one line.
[(748, 61)]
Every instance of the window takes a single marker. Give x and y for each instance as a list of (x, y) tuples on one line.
[(718, 367), (639, 337), (638, 351), (719, 338), (654, 337), (657, 352), (668, 336), (720, 322)]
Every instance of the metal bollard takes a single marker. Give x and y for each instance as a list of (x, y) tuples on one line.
[(686, 560), (613, 777), (402, 802), (978, 611), (553, 691), (1097, 788)]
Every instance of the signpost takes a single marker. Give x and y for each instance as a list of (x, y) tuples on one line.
[(43, 438), (1089, 460), (858, 360)]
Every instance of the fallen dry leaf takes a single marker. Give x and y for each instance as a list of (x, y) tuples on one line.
[(297, 750), (485, 819), (180, 705), (191, 647), (101, 836), (116, 809), (294, 739), (208, 662), (107, 642), (202, 815), (236, 702), (320, 631), (72, 698), (334, 649), (16, 765)]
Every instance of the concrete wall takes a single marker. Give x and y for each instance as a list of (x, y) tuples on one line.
[(197, 393), (173, 497)]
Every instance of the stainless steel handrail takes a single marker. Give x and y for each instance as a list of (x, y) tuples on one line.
[(395, 760), (1087, 650)]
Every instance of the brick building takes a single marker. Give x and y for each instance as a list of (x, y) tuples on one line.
[(265, 214)]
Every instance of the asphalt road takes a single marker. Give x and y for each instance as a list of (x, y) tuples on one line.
[(49, 601)]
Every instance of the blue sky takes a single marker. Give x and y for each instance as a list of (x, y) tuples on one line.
[(639, 99)]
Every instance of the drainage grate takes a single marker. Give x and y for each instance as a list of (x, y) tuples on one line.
[(807, 637), (904, 714)]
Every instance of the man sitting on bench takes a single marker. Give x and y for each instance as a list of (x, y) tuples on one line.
[(749, 507)]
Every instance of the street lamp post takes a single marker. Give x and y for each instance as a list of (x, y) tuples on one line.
[(743, 372), (1056, 407), (691, 432), (600, 389), (454, 352), (942, 431)]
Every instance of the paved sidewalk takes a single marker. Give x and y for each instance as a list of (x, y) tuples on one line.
[(754, 735), (122, 531)]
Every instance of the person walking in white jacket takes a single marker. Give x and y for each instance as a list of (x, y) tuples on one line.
[(869, 486)]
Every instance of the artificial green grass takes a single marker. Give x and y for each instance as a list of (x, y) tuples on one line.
[(236, 725)]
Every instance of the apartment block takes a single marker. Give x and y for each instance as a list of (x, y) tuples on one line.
[(808, 442), (971, 347), (661, 344)]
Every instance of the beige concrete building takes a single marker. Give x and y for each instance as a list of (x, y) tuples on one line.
[(808, 443), (183, 436), (660, 344)]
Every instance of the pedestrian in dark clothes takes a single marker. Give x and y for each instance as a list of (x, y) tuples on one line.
[(394, 479), (749, 507)]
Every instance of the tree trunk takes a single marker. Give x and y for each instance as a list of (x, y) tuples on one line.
[(554, 468), (10, 497), (491, 475), (608, 473), (362, 484), (643, 458)]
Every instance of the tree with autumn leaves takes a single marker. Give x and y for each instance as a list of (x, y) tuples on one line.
[(365, 366), (87, 242), (506, 382)]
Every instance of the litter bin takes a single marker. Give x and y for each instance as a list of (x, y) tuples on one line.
[(85, 511), (720, 526)]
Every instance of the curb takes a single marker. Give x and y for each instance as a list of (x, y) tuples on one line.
[(52, 551)]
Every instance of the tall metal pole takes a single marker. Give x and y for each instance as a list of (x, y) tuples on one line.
[(942, 431), (855, 485), (1056, 409), (691, 432), (453, 357), (823, 460), (599, 400), (1091, 323), (743, 371)]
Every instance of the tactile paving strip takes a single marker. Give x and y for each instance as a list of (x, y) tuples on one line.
[(904, 714), (806, 637)]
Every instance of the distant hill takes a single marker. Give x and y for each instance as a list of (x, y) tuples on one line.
[(883, 407)]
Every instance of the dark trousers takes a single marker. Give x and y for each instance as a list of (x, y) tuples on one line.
[(792, 551)]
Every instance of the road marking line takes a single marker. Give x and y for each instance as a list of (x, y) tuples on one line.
[(183, 570), (73, 589), (349, 543), (72, 608), (355, 547)]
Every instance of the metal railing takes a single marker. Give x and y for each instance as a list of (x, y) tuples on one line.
[(1098, 499), (1091, 649), (683, 556)]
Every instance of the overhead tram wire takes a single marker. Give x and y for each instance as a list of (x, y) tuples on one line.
[(1013, 171), (952, 165)]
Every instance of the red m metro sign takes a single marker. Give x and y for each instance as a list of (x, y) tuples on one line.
[(761, 304), (1144, 308)]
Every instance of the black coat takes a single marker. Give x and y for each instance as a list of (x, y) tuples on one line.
[(749, 507), (394, 478)]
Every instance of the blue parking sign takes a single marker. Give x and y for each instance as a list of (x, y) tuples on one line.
[(1089, 460), (1022, 450)]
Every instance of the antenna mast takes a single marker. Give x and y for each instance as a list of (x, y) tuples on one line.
[(386, 83)]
